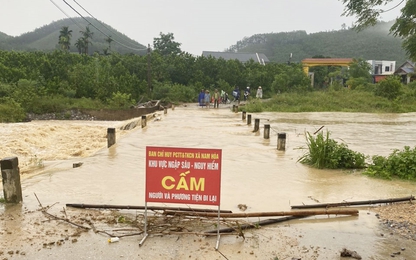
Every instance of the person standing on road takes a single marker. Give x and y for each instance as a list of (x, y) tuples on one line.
[(236, 94), (246, 93), (259, 93), (207, 98), (201, 98), (216, 97)]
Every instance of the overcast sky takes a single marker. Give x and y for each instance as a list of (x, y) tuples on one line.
[(199, 25)]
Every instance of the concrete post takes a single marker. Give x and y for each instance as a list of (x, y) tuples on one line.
[(256, 124), (244, 115), (266, 131), (236, 109), (165, 111), (248, 119), (281, 141), (144, 118), (111, 136), (10, 173)]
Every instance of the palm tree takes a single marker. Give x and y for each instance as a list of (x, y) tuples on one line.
[(65, 38), (80, 45), (86, 36)]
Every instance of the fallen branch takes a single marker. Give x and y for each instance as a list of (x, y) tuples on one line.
[(65, 220), (91, 206), (267, 214), (318, 130), (189, 233), (353, 203)]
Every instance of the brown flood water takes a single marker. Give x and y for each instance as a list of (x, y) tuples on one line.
[(253, 173)]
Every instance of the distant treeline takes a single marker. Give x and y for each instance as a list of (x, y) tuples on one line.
[(177, 78), (374, 43)]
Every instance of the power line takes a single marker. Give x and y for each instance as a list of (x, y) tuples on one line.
[(75, 22), (128, 47), (394, 7), (95, 18)]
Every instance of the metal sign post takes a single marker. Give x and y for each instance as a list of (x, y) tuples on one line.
[(184, 176)]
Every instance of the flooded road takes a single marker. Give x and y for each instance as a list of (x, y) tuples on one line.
[(254, 173)]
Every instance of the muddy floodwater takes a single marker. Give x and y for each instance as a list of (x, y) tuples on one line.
[(254, 173)]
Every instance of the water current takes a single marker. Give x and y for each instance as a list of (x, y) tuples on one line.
[(254, 172)]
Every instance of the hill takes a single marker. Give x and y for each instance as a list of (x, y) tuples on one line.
[(46, 38), (374, 43)]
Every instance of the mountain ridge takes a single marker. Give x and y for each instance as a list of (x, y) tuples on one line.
[(374, 43)]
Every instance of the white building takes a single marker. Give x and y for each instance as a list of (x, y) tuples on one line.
[(381, 68)]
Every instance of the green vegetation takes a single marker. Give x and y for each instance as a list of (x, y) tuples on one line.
[(54, 82), (342, 100), (98, 75), (399, 164), (324, 152), (368, 12), (65, 34)]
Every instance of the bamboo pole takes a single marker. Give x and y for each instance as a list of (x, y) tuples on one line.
[(267, 214), (353, 203), (92, 206), (254, 224)]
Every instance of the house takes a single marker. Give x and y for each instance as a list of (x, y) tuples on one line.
[(380, 69), (242, 57), (406, 72)]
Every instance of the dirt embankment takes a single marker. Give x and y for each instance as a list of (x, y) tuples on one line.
[(399, 218)]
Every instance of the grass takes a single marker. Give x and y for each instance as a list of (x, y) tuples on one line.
[(324, 152), (344, 100)]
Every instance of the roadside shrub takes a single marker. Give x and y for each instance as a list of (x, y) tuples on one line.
[(399, 164), (174, 92), (390, 88), (254, 106), (11, 111), (47, 104), (86, 103), (324, 152), (120, 100), (25, 93), (354, 83)]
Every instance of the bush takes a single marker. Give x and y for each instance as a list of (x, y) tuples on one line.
[(390, 88), (354, 83), (324, 152), (174, 92), (47, 104), (11, 111), (399, 164), (121, 100), (254, 106)]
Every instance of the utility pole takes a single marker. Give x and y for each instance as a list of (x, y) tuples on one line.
[(149, 72)]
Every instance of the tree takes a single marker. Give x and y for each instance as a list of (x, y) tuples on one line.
[(360, 68), (368, 12), (86, 36), (80, 45), (166, 45), (390, 88), (65, 38)]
